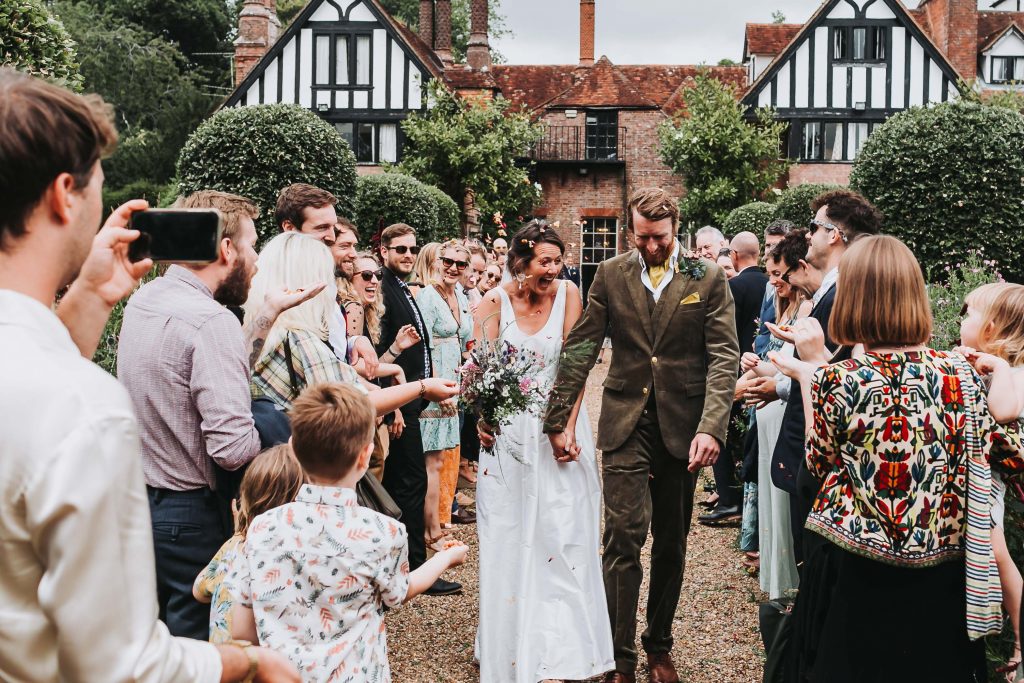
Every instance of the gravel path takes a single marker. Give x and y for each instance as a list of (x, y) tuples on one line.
[(716, 638)]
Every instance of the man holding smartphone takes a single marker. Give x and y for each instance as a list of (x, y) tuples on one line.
[(76, 602), (310, 210)]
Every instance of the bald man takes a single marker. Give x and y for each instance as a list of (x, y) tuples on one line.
[(747, 288), (500, 249)]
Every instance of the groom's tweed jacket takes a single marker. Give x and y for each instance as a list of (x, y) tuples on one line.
[(685, 354)]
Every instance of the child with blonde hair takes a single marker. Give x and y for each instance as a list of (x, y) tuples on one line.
[(273, 478), (992, 338), (315, 574)]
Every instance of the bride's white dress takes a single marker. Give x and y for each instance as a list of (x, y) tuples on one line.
[(543, 612)]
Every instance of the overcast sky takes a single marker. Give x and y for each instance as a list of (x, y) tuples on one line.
[(641, 31)]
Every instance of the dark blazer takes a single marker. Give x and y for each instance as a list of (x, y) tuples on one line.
[(684, 352), (790, 450), (748, 293), (398, 312)]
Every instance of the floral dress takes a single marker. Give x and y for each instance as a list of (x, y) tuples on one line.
[(210, 585), (448, 339), (317, 574)]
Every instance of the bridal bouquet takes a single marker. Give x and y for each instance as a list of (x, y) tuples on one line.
[(499, 382)]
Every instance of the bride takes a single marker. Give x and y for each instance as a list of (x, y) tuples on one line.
[(543, 614)]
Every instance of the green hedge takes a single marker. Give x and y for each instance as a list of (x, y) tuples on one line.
[(34, 41), (395, 198), (794, 203), (256, 151), (754, 217), (949, 179)]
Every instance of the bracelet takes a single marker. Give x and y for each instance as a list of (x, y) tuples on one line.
[(254, 661), (423, 389), (393, 352)]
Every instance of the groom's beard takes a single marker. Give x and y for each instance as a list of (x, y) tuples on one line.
[(658, 258)]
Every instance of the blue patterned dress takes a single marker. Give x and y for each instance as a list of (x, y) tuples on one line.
[(448, 340)]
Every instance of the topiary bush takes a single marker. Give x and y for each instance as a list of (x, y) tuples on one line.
[(256, 151), (754, 217), (949, 179), (396, 198), (152, 192), (794, 203), (34, 41)]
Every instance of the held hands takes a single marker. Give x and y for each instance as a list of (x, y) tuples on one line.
[(564, 446), (703, 451), (407, 337), (107, 272), (439, 390)]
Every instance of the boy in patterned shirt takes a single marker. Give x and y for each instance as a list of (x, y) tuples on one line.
[(315, 575)]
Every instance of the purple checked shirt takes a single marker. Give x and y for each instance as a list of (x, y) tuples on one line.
[(182, 357)]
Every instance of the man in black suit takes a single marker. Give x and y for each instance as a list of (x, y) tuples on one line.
[(747, 286), (840, 217), (405, 472)]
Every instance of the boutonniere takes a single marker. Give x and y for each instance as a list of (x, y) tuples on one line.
[(691, 265)]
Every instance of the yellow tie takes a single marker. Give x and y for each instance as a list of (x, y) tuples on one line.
[(656, 274)]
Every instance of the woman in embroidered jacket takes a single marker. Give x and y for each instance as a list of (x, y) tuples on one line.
[(899, 581)]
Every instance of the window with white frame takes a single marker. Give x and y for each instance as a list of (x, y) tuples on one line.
[(1007, 69), (372, 142), (342, 59), (600, 242)]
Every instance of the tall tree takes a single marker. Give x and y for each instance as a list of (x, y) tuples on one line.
[(726, 160), (460, 145)]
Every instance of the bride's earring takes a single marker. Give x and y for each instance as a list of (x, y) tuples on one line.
[(520, 278)]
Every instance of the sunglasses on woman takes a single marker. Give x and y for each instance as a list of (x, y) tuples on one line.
[(369, 275), (402, 249), (459, 265)]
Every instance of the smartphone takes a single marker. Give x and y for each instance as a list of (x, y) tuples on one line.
[(176, 235)]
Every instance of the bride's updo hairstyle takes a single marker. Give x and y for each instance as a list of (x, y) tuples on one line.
[(520, 249)]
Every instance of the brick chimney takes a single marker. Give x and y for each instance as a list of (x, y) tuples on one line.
[(586, 32), (427, 22), (258, 28), (443, 31), (954, 25), (478, 52)]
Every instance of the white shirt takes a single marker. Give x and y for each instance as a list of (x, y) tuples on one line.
[(826, 284), (645, 277), (77, 574)]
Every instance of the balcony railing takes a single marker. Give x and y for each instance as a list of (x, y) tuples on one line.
[(577, 143)]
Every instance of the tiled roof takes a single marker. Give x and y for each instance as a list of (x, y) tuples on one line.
[(992, 25), (416, 44), (653, 86), (769, 39)]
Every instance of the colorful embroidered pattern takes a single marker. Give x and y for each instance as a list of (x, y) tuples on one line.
[(889, 442)]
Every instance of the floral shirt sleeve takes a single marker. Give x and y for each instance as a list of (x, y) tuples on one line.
[(237, 578), (830, 414), (392, 578)]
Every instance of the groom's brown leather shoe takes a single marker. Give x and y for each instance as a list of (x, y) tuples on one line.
[(619, 677), (660, 668)]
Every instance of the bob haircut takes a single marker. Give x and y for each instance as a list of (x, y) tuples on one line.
[(881, 298), (292, 260)]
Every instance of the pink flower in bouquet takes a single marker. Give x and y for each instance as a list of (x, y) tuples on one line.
[(525, 384)]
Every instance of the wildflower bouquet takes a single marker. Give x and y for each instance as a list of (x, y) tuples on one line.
[(499, 382)]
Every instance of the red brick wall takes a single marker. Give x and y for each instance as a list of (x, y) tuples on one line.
[(954, 29), (836, 174)]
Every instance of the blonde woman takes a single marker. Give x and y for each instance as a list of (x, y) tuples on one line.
[(296, 353), (449, 323), (426, 271)]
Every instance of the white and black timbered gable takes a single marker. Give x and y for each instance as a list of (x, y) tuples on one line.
[(349, 62), (854, 64)]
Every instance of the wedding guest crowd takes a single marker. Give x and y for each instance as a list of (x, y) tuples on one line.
[(286, 415)]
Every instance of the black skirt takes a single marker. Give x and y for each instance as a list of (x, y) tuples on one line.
[(857, 620)]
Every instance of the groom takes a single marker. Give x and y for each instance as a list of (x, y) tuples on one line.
[(663, 416)]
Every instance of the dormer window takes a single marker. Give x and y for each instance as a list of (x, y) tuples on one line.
[(1007, 69), (859, 43)]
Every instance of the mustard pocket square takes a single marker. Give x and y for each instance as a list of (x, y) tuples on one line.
[(692, 299)]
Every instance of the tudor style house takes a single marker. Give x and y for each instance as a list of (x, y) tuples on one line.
[(857, 62), (363, 71)]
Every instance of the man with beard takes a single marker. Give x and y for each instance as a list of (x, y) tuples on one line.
[(186, 361), (344, 249)]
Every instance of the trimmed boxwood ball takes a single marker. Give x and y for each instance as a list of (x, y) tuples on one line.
[(794, 204), (32, 40), (754, 217), (396, 198), (950, 179), (257, 151)]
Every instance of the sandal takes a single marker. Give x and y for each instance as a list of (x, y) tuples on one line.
[(1012, 671)]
